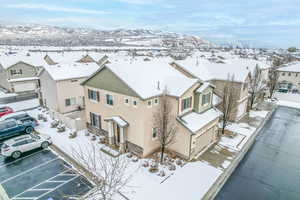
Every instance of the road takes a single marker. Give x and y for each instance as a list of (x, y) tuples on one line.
[(271, 169)]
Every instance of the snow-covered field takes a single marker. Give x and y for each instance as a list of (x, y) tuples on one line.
[(288, 99)]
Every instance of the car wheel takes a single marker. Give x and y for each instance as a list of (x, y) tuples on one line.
[(16, 154), (29, 130), (45, 145)]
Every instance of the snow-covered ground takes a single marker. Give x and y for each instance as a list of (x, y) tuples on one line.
[(288, 99), (23, 105), (190, 181)]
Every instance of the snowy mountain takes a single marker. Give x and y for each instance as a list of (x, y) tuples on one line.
[(41, 35)]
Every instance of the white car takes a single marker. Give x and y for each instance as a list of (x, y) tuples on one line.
[(16, 146)]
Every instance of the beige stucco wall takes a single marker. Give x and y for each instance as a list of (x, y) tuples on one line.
[(3, 78), (68, 89)]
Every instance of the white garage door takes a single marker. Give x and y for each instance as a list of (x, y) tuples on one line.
[(241, 109), (21, 87)]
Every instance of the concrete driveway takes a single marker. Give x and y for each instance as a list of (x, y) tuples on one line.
[(41, 175)]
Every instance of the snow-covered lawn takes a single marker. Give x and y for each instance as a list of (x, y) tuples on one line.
[(23, 105), (191, 181), (243, 133)]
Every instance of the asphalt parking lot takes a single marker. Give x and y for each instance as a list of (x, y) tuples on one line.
[(41, 175)]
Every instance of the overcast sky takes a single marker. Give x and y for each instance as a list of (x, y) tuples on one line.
[(273, 23)]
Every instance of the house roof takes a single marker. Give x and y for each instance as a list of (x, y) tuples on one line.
[(292, 67), (195, 121), (71, 70), (149, 78), (67, 57), (206, 70), (204, 86), (121, 122), (8, 60)]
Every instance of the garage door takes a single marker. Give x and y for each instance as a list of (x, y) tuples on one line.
[(203, 141), (21, 87), (241, 109)]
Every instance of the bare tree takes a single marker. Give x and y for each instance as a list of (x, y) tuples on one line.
[(109, 174), (273, 75), (255, 85), (227, 105), (164, 122)]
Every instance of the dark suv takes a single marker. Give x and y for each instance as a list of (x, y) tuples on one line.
[(21, 116), (12, 127)]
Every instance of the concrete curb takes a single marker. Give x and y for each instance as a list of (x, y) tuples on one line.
[(219, 183), (3, 195)]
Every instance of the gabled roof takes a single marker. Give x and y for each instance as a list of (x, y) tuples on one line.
[(206, 70), (9, 60), (149, 78), (71, 70)]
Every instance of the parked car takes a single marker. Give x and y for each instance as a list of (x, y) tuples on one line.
[(4, 110), (22, 116), (16, 146), (12, 127)]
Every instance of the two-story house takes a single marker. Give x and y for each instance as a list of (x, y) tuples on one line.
[(62, 93), (217, 74), (19, 73), (289, 77), (122, 97)]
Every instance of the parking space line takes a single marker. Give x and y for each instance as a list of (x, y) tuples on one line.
[(32, 188), (24, 172), (57, 187), (22, 158)]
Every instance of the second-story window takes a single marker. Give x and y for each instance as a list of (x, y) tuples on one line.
[(109, 100), (16, 72), (186, 103), (93, 95), (205, 99), (70, 101)]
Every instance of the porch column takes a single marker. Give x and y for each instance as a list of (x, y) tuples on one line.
[(122, 140), (110, 133)]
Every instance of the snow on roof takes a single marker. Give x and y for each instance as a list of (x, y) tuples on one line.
[(118, 120), (149, 78), (195, 121), (292, 67), (71, 70), (216, 100), (203, 87), (67, 57), (206, 70), (8, 60), (23, 79)]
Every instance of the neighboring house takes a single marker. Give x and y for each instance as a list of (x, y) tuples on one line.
[(217, 75), (19, 73), (61, 90), (289, 77), (122, 97), (67, 57)]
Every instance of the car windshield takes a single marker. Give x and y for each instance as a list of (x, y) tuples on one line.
[(36, 137), (3, 109)]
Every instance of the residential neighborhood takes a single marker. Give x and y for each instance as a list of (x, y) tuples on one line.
[(95, 113)]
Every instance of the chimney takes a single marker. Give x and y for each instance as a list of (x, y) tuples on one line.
[(158, 87)]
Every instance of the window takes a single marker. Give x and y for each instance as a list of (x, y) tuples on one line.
[(206, 98), (155, 101), (126, 101), (70, 101), (245, 86), (134, 103), (289, 73), (20, 143), (154, 133), (283, 74), (16, 72), (296, 74), (74, 80), (95, 120), (186, 103), (149, 103), (93, 95), (109, 100)]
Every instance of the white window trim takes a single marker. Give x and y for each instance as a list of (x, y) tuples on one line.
[(112, 99), (127, 104), (149, 106), (157, 102), (137, 103), (93, 100)]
